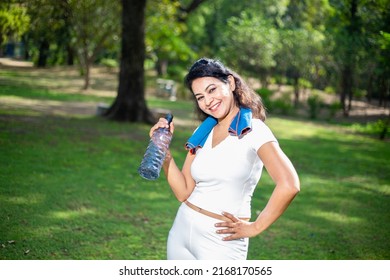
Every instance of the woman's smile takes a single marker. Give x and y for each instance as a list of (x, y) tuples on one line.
[(214, 97), (214, 107)]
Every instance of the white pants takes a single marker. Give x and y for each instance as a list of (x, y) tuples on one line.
[(193, 237)]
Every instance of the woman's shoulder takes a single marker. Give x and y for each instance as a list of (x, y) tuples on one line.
[(259, 124), (261, 131)]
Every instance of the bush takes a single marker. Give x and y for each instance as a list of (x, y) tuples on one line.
[(330, 90), (283, 104), (359, 93), (379, 128), (334, 108), (109, 62), (265, 95), (176, 72), (314, 101), (281, 80), (303, 83)]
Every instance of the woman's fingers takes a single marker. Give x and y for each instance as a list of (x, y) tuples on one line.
[(162, 123)]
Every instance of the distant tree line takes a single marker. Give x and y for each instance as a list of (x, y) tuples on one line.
[(334, 45)]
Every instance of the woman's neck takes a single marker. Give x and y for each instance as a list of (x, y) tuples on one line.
[(227, 120)]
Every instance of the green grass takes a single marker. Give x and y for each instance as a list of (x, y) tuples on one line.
[(69, 188)]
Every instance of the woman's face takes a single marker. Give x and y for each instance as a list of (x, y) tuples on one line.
[(214, 97)]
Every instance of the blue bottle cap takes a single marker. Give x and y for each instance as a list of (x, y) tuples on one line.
[(169, 118)]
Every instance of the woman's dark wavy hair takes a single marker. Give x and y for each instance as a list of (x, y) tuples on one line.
[(244, 96)]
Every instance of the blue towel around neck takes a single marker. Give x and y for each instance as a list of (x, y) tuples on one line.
[(241, 125)]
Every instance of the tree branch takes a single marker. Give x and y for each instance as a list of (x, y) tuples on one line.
[(185, 11)]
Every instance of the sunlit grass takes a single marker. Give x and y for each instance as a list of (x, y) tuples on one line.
[(69, 188)]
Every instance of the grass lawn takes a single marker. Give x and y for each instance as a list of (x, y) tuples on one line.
[(69, 187)]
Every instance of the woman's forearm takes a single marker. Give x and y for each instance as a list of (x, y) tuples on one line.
[(180, 185), (277, 204)]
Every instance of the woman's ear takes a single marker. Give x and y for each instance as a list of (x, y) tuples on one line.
[(232, 82)]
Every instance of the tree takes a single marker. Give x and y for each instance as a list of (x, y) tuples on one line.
[(374, 72), (95, 24), (356, 30), (302, 54), (164, 28), (49, 35), (14, 21), (347, 34), (257, 41), (130, 103)]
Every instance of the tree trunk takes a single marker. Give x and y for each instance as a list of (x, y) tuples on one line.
[(346, 89), (350, 59), (385, 128), (384, 89), (43, 53), (296, 91), (162, 67), (70, 55), (87, 75), (370, 87), (1, 43), (130, 104)]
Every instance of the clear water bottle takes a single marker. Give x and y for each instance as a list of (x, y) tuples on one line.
[(155, 152)]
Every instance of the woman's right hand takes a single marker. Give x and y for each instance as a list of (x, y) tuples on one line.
[(162, 123)]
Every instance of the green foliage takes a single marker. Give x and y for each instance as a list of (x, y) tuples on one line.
[(334, 107), (283, 104), (257, 41), (281, 41), (379, 128), (254, 36), (314, 101), (164, 32), (276, 105), (177, 72), (109, 62), (280, 80), (13, 21), (359, 93), (302, 53), (95, 25), (330, 90), (266, 95), (355, 28), (303, 83)]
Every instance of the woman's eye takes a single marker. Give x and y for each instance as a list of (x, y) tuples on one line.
[(199, 98), (212, 90)]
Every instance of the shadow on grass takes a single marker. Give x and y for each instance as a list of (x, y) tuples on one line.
[(69, 189), (341, 210)]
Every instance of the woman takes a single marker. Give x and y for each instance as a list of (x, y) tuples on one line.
[(226, 156)]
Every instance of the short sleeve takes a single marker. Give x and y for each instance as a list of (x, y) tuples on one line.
[(260, 134)]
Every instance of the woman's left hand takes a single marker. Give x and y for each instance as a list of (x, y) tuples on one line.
[(236, 228)]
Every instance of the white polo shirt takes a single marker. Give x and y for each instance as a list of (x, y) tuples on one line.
[(226, 175)]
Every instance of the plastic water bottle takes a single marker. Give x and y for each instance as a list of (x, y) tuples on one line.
[(155, 152)]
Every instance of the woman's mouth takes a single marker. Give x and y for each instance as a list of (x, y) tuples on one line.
[(214, 107)]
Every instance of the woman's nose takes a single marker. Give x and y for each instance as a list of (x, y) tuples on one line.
[(208, 99)]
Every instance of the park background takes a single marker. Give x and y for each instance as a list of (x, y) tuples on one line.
[(81, 81)]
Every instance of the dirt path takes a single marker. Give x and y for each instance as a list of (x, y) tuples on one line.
[(49, 107)]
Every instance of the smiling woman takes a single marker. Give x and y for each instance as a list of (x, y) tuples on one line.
[(216, 74), (226, 157)]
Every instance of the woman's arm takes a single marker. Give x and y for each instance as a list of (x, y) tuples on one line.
[(287, 186), (180, 181)]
